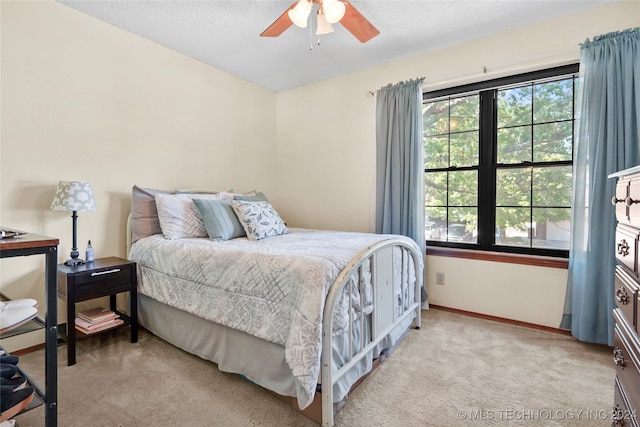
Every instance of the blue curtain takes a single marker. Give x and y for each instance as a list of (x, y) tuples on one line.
[(400, 164), (607, 142)]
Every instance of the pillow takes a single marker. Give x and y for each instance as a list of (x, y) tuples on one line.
[(259, 219), (257, 197), (144, 214), (220, 220), (202, 191), (179, 216)]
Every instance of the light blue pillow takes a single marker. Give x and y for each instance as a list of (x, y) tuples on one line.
[(220, 220)]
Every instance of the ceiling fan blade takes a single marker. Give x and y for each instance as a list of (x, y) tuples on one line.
[(357, 24), (279, 25)]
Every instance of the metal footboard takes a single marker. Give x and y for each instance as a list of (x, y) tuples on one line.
[(384, 317)]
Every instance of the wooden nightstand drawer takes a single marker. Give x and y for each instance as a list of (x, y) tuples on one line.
[(115, 274), (102, 282), (99, 278)]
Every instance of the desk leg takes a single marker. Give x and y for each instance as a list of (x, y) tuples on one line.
[(51, 338), (71, 321)]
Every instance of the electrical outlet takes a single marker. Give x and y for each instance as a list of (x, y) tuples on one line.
[(439, 278)]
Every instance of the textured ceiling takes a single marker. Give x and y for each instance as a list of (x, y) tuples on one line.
[(225, 34)]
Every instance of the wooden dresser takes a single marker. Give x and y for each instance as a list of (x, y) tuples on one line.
[(626, 346)]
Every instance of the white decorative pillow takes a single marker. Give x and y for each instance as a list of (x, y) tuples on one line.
[(179, 217), (259, 219)]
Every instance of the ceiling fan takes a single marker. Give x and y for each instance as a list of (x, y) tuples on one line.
[(329, 12)]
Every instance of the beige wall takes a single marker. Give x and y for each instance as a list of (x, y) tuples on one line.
[(326, 156), (83, 100)]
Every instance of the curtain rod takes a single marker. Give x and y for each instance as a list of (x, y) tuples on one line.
[(550, 59)]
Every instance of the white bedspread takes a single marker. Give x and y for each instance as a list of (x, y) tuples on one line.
[(273, 289)]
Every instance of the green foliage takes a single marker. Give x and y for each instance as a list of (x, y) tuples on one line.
[(535, 124)]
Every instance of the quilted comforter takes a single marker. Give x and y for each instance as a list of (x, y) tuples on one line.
[(273, 289)]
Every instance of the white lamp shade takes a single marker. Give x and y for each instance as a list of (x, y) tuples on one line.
[(323, 26), (73, 196), (334, 10), (299, 15)]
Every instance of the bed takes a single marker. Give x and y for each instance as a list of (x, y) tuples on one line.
[(305, 314)]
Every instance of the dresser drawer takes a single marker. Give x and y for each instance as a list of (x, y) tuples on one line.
[(626, 358), (626, 246), (620, 199), (621, 415), (636, 308), (626, 295), (633, 201)]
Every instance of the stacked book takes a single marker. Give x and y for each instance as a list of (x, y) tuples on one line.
[(96, 320)]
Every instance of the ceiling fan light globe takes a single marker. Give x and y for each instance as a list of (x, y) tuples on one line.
[(334, 10), (299, 15), (323, 27)]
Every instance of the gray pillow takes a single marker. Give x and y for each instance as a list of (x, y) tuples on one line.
[(220, 220), (259, 197), (144, 213)]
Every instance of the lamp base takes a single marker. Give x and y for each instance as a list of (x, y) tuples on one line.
[(75, 261)]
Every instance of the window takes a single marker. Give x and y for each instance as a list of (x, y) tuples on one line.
[(498, 163)]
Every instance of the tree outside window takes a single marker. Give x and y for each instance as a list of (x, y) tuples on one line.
[(498, 164)]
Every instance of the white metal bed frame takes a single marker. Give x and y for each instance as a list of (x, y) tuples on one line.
[(384, 317)]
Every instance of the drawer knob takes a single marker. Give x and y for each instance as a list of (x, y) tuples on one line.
[(623, 248), (618, 358), (621, 295), (615, 200), (629, 201), (617, 416)]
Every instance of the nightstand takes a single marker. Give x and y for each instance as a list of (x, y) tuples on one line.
[(99, 278)]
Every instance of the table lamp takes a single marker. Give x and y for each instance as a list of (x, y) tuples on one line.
[(74, 196)]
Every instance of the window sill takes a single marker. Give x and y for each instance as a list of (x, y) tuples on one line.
[(540, 261)]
